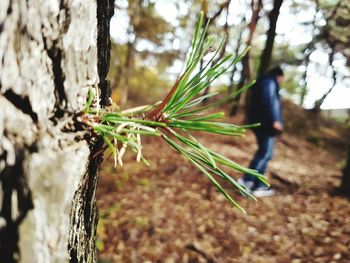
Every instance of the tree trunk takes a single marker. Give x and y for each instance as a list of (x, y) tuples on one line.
[(232, 87), (52, 52), (304, 90), (320, 101), (307, 52), (223, 6), (129, 62), (246, 72), (345, 184), (271, 33)]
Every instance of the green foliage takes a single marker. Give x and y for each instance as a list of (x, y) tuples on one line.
[(138, 70), (142, 80), (336, 32), (179, 113), (290, 83), (146, 23), (145, 81)]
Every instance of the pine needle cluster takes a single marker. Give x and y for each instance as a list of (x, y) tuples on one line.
[(177, 115)]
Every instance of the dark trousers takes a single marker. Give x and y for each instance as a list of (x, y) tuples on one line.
[(263, 155)]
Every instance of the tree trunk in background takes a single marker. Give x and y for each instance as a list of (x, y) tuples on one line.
[(306, 62), (232, 87), (271, 33), (223, 6), (51, 53), (256, 6), (320, 101), (307, 53), (345, 184), (125, 72)]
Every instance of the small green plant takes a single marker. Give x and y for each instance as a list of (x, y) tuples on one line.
[(179, 113)]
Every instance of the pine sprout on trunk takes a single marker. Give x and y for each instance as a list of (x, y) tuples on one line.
[(179, 113)]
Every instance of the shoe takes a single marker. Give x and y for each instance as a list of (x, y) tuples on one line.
[(263, 191), (248, 185)]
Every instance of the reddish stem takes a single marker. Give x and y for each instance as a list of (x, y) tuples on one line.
[(154, 114)]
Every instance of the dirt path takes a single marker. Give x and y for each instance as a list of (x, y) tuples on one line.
[(169, 212)]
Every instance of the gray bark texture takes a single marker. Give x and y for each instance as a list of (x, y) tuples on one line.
[(51, 53)]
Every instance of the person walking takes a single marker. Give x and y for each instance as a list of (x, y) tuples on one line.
[(265, 108)]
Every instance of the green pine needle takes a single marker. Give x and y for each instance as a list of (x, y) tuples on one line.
[(179, 113)]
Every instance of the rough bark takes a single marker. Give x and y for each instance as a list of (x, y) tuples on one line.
[(51, 53)]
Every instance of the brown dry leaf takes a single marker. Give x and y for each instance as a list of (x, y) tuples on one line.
[(150, 214)]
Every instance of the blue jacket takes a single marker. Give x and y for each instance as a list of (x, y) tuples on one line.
[(265, 104)]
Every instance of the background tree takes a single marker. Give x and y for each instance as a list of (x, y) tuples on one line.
[(310, 47), (319, 102), (336, 37), (345, 183), (52, 52), (271, 33), (246, 75), (212, 20), (148, 34)]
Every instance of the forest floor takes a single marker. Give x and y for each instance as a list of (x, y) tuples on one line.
[(169, 212)]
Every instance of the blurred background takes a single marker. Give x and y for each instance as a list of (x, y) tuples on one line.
[(168, 212), (310, 40)]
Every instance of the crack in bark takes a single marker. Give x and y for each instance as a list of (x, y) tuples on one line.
[(9, 10), (66, 22), (81, 245), (105, 10), (13, 182), (55, 54), (84, 212), (21, 103)]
